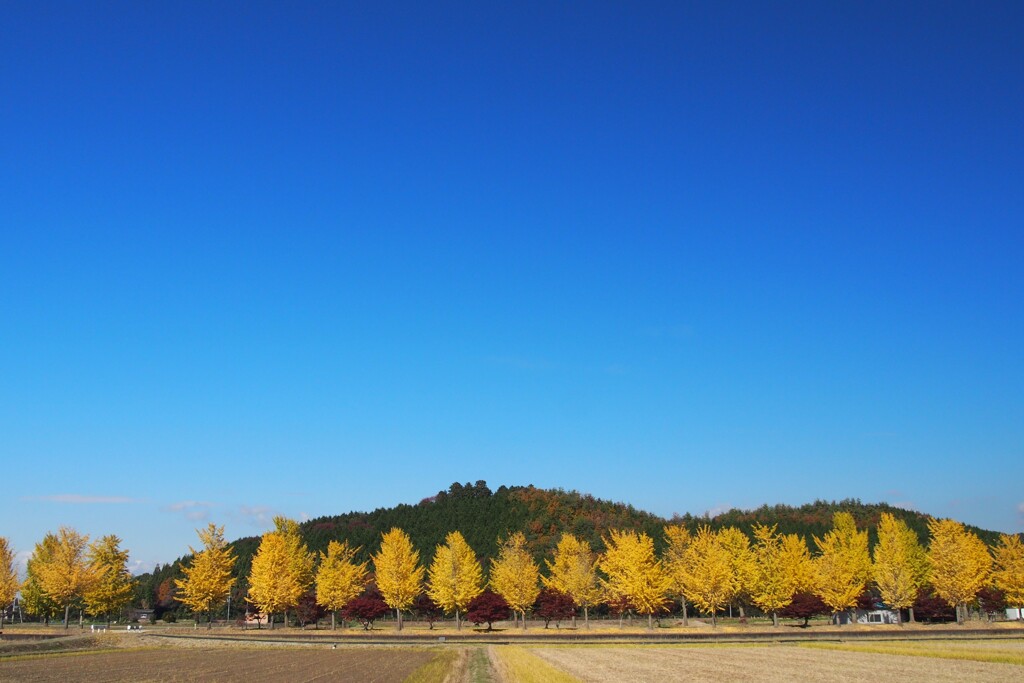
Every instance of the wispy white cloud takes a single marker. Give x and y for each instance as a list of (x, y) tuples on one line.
[(193, 510), (259, 516), (893, 497), (80, 499), (713, 512), (140, 567), (21, 561)]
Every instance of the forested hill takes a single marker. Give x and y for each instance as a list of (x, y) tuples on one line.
[(481, 515), (543, 515)]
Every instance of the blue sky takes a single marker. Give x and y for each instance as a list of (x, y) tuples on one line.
[(305, 258)]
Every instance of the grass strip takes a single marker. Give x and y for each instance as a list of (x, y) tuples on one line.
[(479, 668), (437, 669), (931, 650), (519, 665)]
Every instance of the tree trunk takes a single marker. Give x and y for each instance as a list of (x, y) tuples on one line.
[(686, 616), (775, 619), (67, 615), (650, 621), (910, 613), (899, 616), (81, 620), (524, 619), (458, 624), (334, 621), (398, 618), (586, 617), (714, 619), (209, 620), (743, 615)]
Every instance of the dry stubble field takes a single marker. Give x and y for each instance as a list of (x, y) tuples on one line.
[(204, 660), (227, 665), (766, 664)]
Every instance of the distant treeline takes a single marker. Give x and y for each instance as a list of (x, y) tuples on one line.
[(483, 516)]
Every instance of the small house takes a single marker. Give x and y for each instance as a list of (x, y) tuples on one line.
[(869, 616)]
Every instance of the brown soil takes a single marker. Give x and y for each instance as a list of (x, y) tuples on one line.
[(228, 665)]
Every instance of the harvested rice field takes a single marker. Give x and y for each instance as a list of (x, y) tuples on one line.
[(763, 664), (225, 665), (201, 659)]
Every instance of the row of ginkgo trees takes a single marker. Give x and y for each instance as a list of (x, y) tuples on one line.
[(66, 571), (708, 569)]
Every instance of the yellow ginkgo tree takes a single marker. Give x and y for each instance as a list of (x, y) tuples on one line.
[(777, 571), (677, 540), (573, 571), (339, 579), (282, 570), (397, 571), (633, 574), (741, 561), (843, 566), (1008, 573), (8, 578), (959, 564), (208, 578), (455, 576), (710, 581), (65, 576), (34, 599), (112, 585), (899, 565), (515, 575)]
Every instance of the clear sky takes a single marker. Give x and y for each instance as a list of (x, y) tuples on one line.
[(306, 258)]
